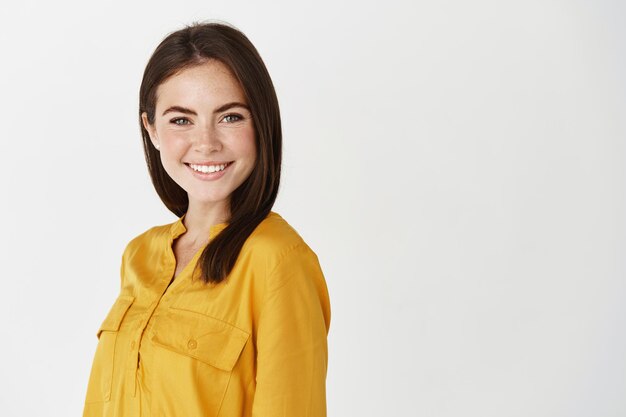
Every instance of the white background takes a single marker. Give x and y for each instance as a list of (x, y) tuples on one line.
[(457, 166)]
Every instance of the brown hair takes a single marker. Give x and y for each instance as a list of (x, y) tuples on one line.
[(252, 201)]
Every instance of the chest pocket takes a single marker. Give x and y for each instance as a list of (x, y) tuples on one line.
[(198, 354), (101, 377)]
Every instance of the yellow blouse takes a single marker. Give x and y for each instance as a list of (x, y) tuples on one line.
[(253, 345)]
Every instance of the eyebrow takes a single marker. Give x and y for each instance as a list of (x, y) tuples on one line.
[(185, 110)]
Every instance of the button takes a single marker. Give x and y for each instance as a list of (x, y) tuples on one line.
[(132, 344), (192, 344)]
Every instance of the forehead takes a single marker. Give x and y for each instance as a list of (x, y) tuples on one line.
[(211, 83)]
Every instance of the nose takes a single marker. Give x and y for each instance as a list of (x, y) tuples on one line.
[(208, 140)]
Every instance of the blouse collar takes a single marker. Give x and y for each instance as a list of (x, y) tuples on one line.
[(178, 228)]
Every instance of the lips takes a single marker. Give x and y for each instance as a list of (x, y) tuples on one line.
[(209, 172)]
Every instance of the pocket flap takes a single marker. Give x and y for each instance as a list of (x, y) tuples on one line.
[(116, 314), (201, 337)]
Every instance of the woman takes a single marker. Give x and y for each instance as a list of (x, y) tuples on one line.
[(224, 311)]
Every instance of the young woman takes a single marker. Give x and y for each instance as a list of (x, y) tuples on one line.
[(224, 312)]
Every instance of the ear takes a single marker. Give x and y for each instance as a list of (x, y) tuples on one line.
[(150, 129)]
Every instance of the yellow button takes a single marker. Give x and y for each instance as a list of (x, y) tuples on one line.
[(192, 344), (132, 344)]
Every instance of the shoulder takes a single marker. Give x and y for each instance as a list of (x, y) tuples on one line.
[(292, 269), (275, 235), (274, 240)]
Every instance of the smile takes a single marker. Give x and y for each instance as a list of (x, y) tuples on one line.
[(208, 168)]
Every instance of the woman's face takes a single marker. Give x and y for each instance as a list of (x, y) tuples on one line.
[(204, 132)]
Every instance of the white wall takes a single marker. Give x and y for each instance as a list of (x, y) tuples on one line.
[(457, 166)]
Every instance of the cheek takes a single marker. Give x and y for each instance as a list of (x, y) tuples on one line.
[(249, 146), (173, 141), (251, 150)]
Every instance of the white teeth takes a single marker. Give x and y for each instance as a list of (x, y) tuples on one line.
[(208, 168)]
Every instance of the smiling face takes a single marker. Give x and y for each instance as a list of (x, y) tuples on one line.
[(204, 132)]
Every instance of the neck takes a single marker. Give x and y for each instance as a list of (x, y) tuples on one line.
[(201, 217)]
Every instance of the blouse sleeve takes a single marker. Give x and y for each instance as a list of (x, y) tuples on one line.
[(291, 339)]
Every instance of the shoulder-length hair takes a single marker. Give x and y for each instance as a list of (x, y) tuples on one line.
[(252, 201)]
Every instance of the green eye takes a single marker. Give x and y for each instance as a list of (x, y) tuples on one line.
[(231, 118), (180, 121)]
